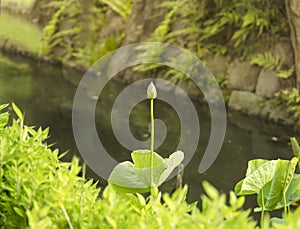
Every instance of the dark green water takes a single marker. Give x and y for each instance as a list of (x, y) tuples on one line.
[(45, 93)]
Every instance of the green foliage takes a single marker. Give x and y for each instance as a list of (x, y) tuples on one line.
[(259, 173), (121, 7), (3, 116), (295, 147), (39, 191), (135, 177), (34, 185), (162, 30), (267, 60), (223, 27), (74, 29), (289, 100), (88, 55), (172, 211), (148, 170), (273, 181), (53, 35), (227, 27), (290, 221), (49, 42)]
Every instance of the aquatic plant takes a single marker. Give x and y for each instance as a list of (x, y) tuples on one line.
[(148, 170), (274, 181)]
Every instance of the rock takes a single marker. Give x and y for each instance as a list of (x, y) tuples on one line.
[(277, 113), (218, 65), (144, 19), (246, 102), (116, 25), (267, 83), (266, 109), (283, 49), (242, 75)]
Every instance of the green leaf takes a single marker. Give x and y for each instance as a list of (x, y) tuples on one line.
[(17, 111), (265, 190), (141, 159), (3, 116), (248, 19), (135, 177), (283, 176), (295, 147), (125, 177), (292, 194), (258, 174), (210, 190), (19, 211), (4, 119), (172, 162), (276, 220), (3, 106)]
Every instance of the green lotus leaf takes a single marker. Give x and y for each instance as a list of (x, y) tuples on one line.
[(135, 177), (172, 162), (142, 159), (258, 174), (283, 176)]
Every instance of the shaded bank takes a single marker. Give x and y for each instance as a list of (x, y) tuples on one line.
[(251, 57)]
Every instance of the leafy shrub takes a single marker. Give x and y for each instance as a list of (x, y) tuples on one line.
[(290, 100), (291, 221), (75, 26), (224, 26), (39, 191), (267, 60)]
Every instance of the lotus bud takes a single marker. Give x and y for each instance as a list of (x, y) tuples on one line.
[(151, 91)]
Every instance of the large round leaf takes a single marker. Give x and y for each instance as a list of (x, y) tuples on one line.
[(135, 177)]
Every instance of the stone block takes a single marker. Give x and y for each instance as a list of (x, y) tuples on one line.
[(267, 83), (242, 75), (246, 102)]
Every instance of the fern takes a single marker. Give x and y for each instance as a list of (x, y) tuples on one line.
[(286, 73), (159, 34), (69, 38), (267, 60), (50, 30), (234, 27), (121, 7), (290, 100), (161, 31)]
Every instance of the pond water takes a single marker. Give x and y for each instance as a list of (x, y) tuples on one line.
[(45, 93)]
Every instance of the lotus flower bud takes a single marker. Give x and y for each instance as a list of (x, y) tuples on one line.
[(151, 91)]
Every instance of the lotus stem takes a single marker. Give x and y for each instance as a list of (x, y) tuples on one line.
[(151, 94), (262, 216), (284, 203), (152, 141)]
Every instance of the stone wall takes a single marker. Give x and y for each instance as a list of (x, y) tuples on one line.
[(253, 87)]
